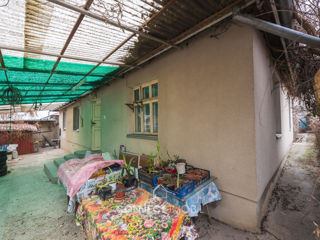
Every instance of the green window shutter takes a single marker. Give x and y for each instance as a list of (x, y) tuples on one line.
[(64, 119), (76, 118)]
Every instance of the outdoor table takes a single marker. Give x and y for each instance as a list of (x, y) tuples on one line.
[(140, 216), (87, 189), (75, 175), (203, 194)]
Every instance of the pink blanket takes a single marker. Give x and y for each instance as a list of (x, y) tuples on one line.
[(75, 172)]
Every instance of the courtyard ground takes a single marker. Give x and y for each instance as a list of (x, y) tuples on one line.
[(31, 207)]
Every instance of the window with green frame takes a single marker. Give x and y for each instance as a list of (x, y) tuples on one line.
[(146, 110)]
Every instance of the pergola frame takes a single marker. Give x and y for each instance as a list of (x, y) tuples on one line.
[(166, 45), (73, 31), (126, 40), (4, 67), (206, 23)]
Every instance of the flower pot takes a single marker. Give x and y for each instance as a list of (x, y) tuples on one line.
[(120, 186), (130, 181), (160, 180), (181, 168), (105, 193), (120, 194), (113, 186)]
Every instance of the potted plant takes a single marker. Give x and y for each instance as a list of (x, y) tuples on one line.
[(160, 160), (150, 173), (170, 168), (178, 185), (129, 179), (103, 190), (113, 182), (180, 165)]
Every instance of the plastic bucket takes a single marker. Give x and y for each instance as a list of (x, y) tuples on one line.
[(14, 154)]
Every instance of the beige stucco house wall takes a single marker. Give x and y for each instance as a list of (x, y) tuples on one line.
[(212, 112), (273, 115)]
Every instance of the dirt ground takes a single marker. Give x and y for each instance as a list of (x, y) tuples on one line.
[(33, 208)]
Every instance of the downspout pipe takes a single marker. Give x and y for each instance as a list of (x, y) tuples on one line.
[(278, 30)]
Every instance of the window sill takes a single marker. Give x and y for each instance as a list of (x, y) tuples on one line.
[(143, 136)]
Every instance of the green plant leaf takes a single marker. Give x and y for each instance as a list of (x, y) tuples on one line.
[(112, 175), (129, 166)]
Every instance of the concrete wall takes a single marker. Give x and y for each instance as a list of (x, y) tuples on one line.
[(207, 115), (272, 115)]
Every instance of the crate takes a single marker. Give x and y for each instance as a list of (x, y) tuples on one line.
[(202, 180), (151, 179), (183, 190)]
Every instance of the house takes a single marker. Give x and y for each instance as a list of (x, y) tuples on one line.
[(208, 79), (45, 124), (217, 102)]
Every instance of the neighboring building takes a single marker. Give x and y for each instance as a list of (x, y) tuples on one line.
[(216, 103), (46, 123), (18, 133)]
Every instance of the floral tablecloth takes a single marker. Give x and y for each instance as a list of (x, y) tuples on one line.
[(201, 195), (139, 216)]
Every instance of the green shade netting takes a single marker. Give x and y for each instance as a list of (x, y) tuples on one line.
[(30, 76), (47, 65)]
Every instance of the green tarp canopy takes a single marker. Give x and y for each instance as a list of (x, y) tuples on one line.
[(37, 85)]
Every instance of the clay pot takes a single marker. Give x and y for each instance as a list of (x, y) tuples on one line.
[(120, 186), (120, 194), (160, 180)]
